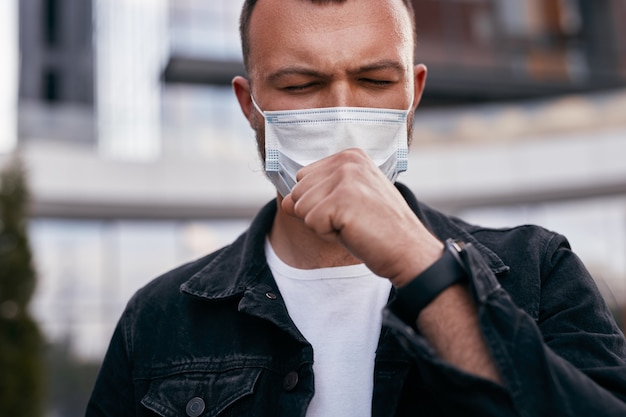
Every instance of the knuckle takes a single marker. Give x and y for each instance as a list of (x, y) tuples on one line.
[(313, 224), (354, 155), (299, 210), (351, 162)]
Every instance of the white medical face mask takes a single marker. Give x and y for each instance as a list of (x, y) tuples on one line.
[(296, 138)]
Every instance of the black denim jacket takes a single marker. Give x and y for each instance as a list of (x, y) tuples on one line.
[(213, 338)]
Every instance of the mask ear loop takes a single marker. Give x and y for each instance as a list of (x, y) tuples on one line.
[(410, 105), (256, 106)]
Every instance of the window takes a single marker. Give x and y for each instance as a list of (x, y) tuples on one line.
[(51, 22), (50, 86)]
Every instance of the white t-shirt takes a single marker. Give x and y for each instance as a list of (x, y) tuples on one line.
[(338, 310)]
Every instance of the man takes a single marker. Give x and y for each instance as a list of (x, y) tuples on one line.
[(287, 320)]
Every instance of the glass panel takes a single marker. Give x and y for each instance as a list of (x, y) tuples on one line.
[(88, 270)]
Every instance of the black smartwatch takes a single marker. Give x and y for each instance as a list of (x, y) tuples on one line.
[(413, 297)]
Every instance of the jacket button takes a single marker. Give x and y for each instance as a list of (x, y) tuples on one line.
[(271, 295), (195, 407), (290, 381)]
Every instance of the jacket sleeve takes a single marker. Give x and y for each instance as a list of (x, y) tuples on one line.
[(113, 394), (570, 361)]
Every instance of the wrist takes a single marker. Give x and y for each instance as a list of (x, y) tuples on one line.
[(419, 292), (428, 256)]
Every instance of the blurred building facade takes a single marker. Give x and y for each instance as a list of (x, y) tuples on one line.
[(511, 49), (478, 50), (139, 158)]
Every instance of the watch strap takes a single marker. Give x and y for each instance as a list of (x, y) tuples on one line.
[(418, 293)]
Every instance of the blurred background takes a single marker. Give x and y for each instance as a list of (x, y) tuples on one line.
[(137, 158)]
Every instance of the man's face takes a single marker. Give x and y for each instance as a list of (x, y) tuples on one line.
[(304, 55)]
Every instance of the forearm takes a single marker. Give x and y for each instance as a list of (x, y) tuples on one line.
[(450, 324)]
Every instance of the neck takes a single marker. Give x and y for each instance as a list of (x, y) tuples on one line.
[(299, 247)]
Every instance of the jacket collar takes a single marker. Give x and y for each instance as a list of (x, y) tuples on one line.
[(446, 227), (242, 265), (238, 266)]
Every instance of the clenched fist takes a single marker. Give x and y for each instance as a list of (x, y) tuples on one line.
[(346, 198)]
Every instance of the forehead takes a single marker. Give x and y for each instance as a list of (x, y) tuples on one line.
[(284, 29)]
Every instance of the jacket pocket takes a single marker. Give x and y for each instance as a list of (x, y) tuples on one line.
[(201, 393)]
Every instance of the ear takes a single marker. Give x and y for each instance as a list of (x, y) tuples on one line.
[(242, 90), (419, 82)]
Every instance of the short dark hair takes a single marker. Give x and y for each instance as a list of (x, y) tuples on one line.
[(248, 7)]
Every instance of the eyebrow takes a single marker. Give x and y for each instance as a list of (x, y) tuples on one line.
[(306, 71), (380, 65), (294, 70)]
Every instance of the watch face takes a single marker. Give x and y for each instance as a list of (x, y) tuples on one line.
[(456, 247)]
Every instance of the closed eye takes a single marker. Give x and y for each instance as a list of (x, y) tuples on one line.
[(299, 87), (376, 82)]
